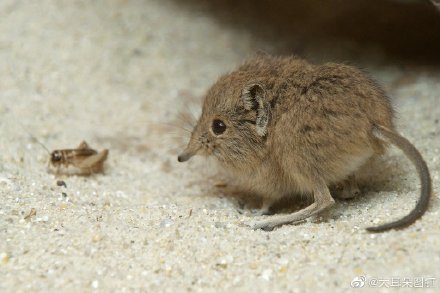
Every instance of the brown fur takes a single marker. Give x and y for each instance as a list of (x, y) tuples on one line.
[(292, 127)]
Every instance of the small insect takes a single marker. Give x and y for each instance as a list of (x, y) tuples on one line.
[(82, 160)]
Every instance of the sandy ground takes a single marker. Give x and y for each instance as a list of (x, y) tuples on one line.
[(117, 74)]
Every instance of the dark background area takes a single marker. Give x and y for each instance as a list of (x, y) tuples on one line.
[(403, 32)]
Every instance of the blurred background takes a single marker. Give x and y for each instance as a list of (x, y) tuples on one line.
[(396, 30)]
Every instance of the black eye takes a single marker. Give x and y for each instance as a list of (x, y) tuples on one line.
[(218, 127)]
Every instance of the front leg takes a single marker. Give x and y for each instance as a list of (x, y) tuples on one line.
[(322, 200), (348, 189), (264, 210)]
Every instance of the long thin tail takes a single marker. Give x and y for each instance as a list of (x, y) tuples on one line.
[(416, 158)]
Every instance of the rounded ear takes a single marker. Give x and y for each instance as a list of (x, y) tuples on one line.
[(254, 98)]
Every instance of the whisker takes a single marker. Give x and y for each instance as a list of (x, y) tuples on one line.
[(190, 112), (186, 119), (174, 126)]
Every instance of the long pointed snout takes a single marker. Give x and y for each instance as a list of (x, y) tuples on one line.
[(183, 157), (186, 155)]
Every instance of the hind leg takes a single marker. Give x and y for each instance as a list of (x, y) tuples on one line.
[(322, 200)]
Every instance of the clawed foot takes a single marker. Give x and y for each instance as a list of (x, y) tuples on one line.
[(295, 218), (268, 225)]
